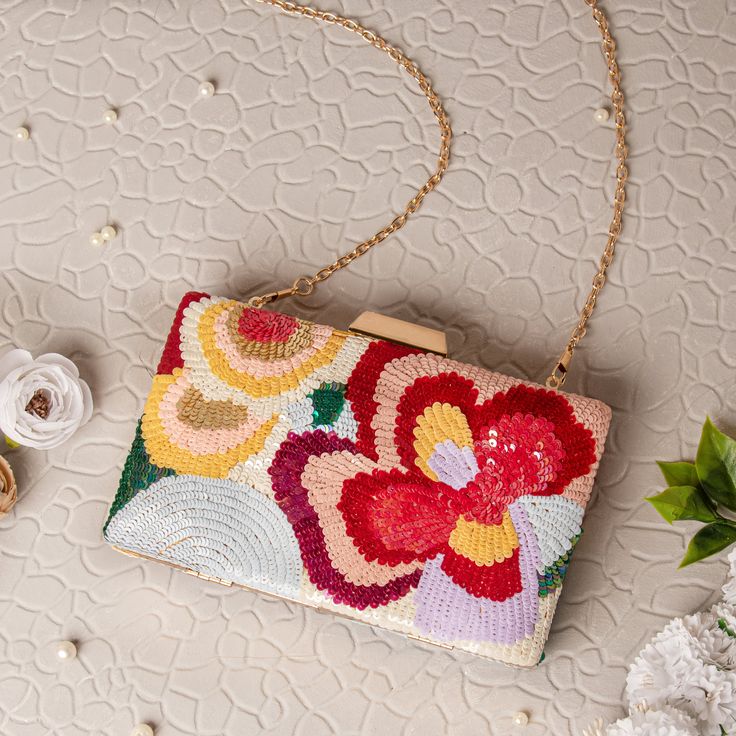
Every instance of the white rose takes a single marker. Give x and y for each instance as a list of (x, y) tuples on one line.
[(43, 401)]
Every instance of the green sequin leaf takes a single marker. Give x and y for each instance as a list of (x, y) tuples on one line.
[(328, 401), (138, 473)]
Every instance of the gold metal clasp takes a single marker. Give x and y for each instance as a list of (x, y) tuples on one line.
[(303, 286), (383, 327), (556, 379), (272, 296)]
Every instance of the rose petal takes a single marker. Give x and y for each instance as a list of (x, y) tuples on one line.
[(56, 359), (13, 360), (88, 402)]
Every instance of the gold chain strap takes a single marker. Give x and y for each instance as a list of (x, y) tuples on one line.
[(559, 372), (304, 285)]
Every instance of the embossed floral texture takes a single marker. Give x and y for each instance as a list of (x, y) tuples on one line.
[(438, 492)]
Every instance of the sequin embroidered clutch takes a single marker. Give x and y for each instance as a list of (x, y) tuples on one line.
[(394, 486)]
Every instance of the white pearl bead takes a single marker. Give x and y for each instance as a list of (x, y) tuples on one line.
[(601, 115), (110, 116), (66, 650), (96, 239), (108, 232), (206, 89), (521, 718), (142, 729), (22, 133)]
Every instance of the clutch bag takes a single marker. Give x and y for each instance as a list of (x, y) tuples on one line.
[(362, 472), (361, 476)]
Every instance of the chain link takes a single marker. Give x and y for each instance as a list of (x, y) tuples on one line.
[(299, 288), (305, 285), (559, 373)]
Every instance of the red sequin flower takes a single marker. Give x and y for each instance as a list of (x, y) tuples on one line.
[(450, 495), (443, 477)]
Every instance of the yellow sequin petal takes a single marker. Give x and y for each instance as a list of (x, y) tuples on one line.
[(164, 453), (438, 423), (485, 544)]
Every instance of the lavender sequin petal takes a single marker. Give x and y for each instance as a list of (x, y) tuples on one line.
[(448, 612), (454, 466)]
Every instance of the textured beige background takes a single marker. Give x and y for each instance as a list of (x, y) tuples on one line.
[(310, 141)]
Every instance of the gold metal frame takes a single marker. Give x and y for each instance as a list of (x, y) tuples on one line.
[(373, 324)]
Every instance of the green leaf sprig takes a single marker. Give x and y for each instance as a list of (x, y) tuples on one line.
[(698, 490)]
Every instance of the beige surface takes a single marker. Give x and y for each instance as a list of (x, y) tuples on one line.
[(294, 158)]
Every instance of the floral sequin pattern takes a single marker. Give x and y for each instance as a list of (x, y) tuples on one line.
[(454, 488), (325, 408), (184, 431), (260, 358)]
